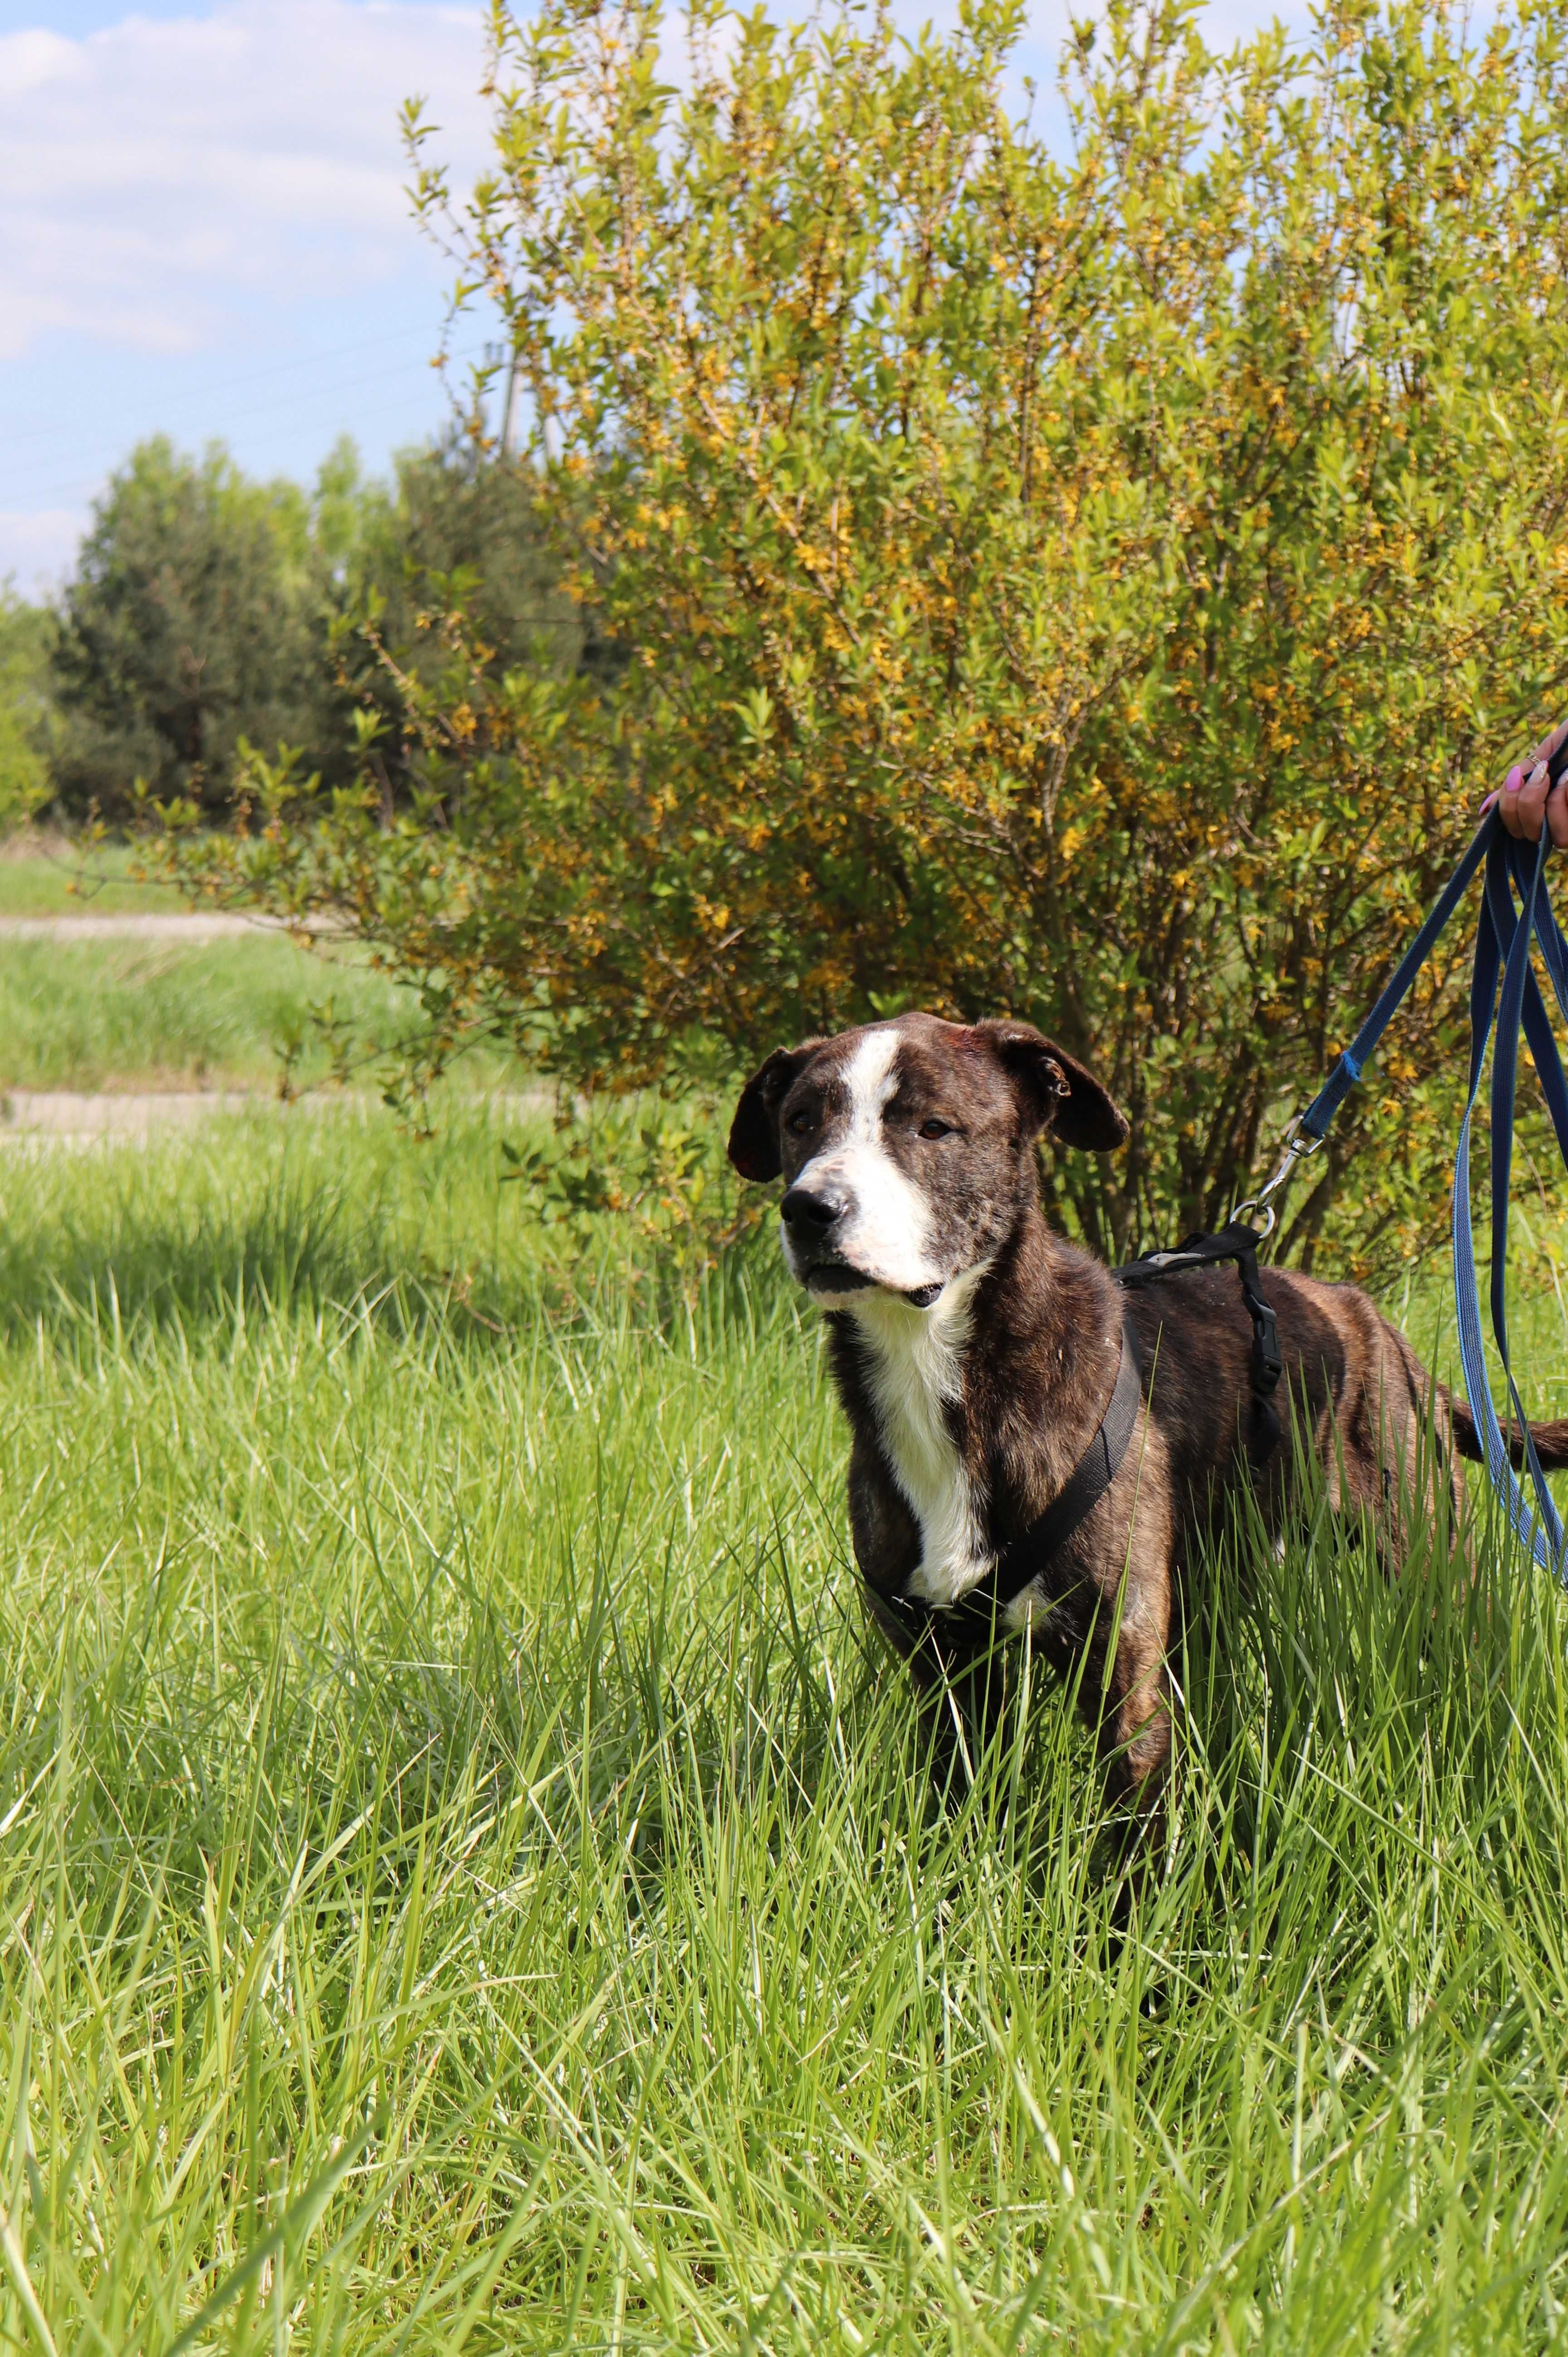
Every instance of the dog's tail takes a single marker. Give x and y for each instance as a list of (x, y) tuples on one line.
[(1551, 1439)]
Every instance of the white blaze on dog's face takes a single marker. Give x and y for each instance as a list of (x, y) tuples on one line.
[(907, 1148), (884, 1234)]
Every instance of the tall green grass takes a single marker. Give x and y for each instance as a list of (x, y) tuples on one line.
[(136, 1013), (468, 1882)]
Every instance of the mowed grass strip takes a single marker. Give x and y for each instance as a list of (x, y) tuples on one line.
[(142, 1014), (168, 1014), (55, 875), (467, 1882)]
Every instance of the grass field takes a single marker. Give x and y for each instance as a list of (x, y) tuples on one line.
[(158, 1014), (50, 874), (87, 1015), (461, 1861), (465, 1881), (164, 1013)]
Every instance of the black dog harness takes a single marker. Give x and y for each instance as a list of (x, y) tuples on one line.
[(976, 1617), (1236, 1242)]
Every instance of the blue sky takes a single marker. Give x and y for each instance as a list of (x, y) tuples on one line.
[(203, 231)]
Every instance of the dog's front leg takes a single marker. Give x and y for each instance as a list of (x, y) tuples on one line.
[(960, 1696), (1128, 1691)]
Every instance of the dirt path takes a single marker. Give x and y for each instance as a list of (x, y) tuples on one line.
[(42, 1118), (177, 926), (75, 1117)]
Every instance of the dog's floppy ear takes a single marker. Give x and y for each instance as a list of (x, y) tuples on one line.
[(1055, 1090), (754, 1133)]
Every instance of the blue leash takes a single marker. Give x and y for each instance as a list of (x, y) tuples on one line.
[(1502, 948)]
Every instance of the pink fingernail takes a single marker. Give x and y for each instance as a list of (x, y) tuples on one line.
[(1513, 782)]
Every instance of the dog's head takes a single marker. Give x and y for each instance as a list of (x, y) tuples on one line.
[(908, 1147)]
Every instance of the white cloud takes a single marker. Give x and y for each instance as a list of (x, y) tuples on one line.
[(156, 176)]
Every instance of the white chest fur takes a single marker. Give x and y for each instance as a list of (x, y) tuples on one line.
[(915, 1372)]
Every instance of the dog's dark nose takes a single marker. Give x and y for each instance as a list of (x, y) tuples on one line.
[(813, 1207)]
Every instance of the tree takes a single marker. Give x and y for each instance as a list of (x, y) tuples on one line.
[(23, 708), (465, 521), (1090, 584), (207, 610), (190, 623), (460, 531)]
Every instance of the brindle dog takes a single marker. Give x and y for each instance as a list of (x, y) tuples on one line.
[(974, 1352)]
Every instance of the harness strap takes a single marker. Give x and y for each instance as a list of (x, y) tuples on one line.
[(976, 1617), (1239, 1242)]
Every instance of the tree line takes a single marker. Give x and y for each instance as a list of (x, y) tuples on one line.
[(207, 612)]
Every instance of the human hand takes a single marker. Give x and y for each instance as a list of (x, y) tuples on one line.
[(1527, 794)]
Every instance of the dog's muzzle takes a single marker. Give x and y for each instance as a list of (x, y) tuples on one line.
[(812, 1217)]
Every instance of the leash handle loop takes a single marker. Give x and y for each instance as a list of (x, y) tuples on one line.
[(1503, 947), (1314, 1121), (1505, 1000)]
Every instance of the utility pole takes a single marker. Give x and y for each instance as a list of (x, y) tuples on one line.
[(508, 398)]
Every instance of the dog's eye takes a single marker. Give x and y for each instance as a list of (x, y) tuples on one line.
[(935, 1128), (799, 1123)]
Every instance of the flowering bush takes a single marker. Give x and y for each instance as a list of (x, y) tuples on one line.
[(1095, 582)]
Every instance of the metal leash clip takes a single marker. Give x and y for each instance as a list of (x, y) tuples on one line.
[(1297, 1148)]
